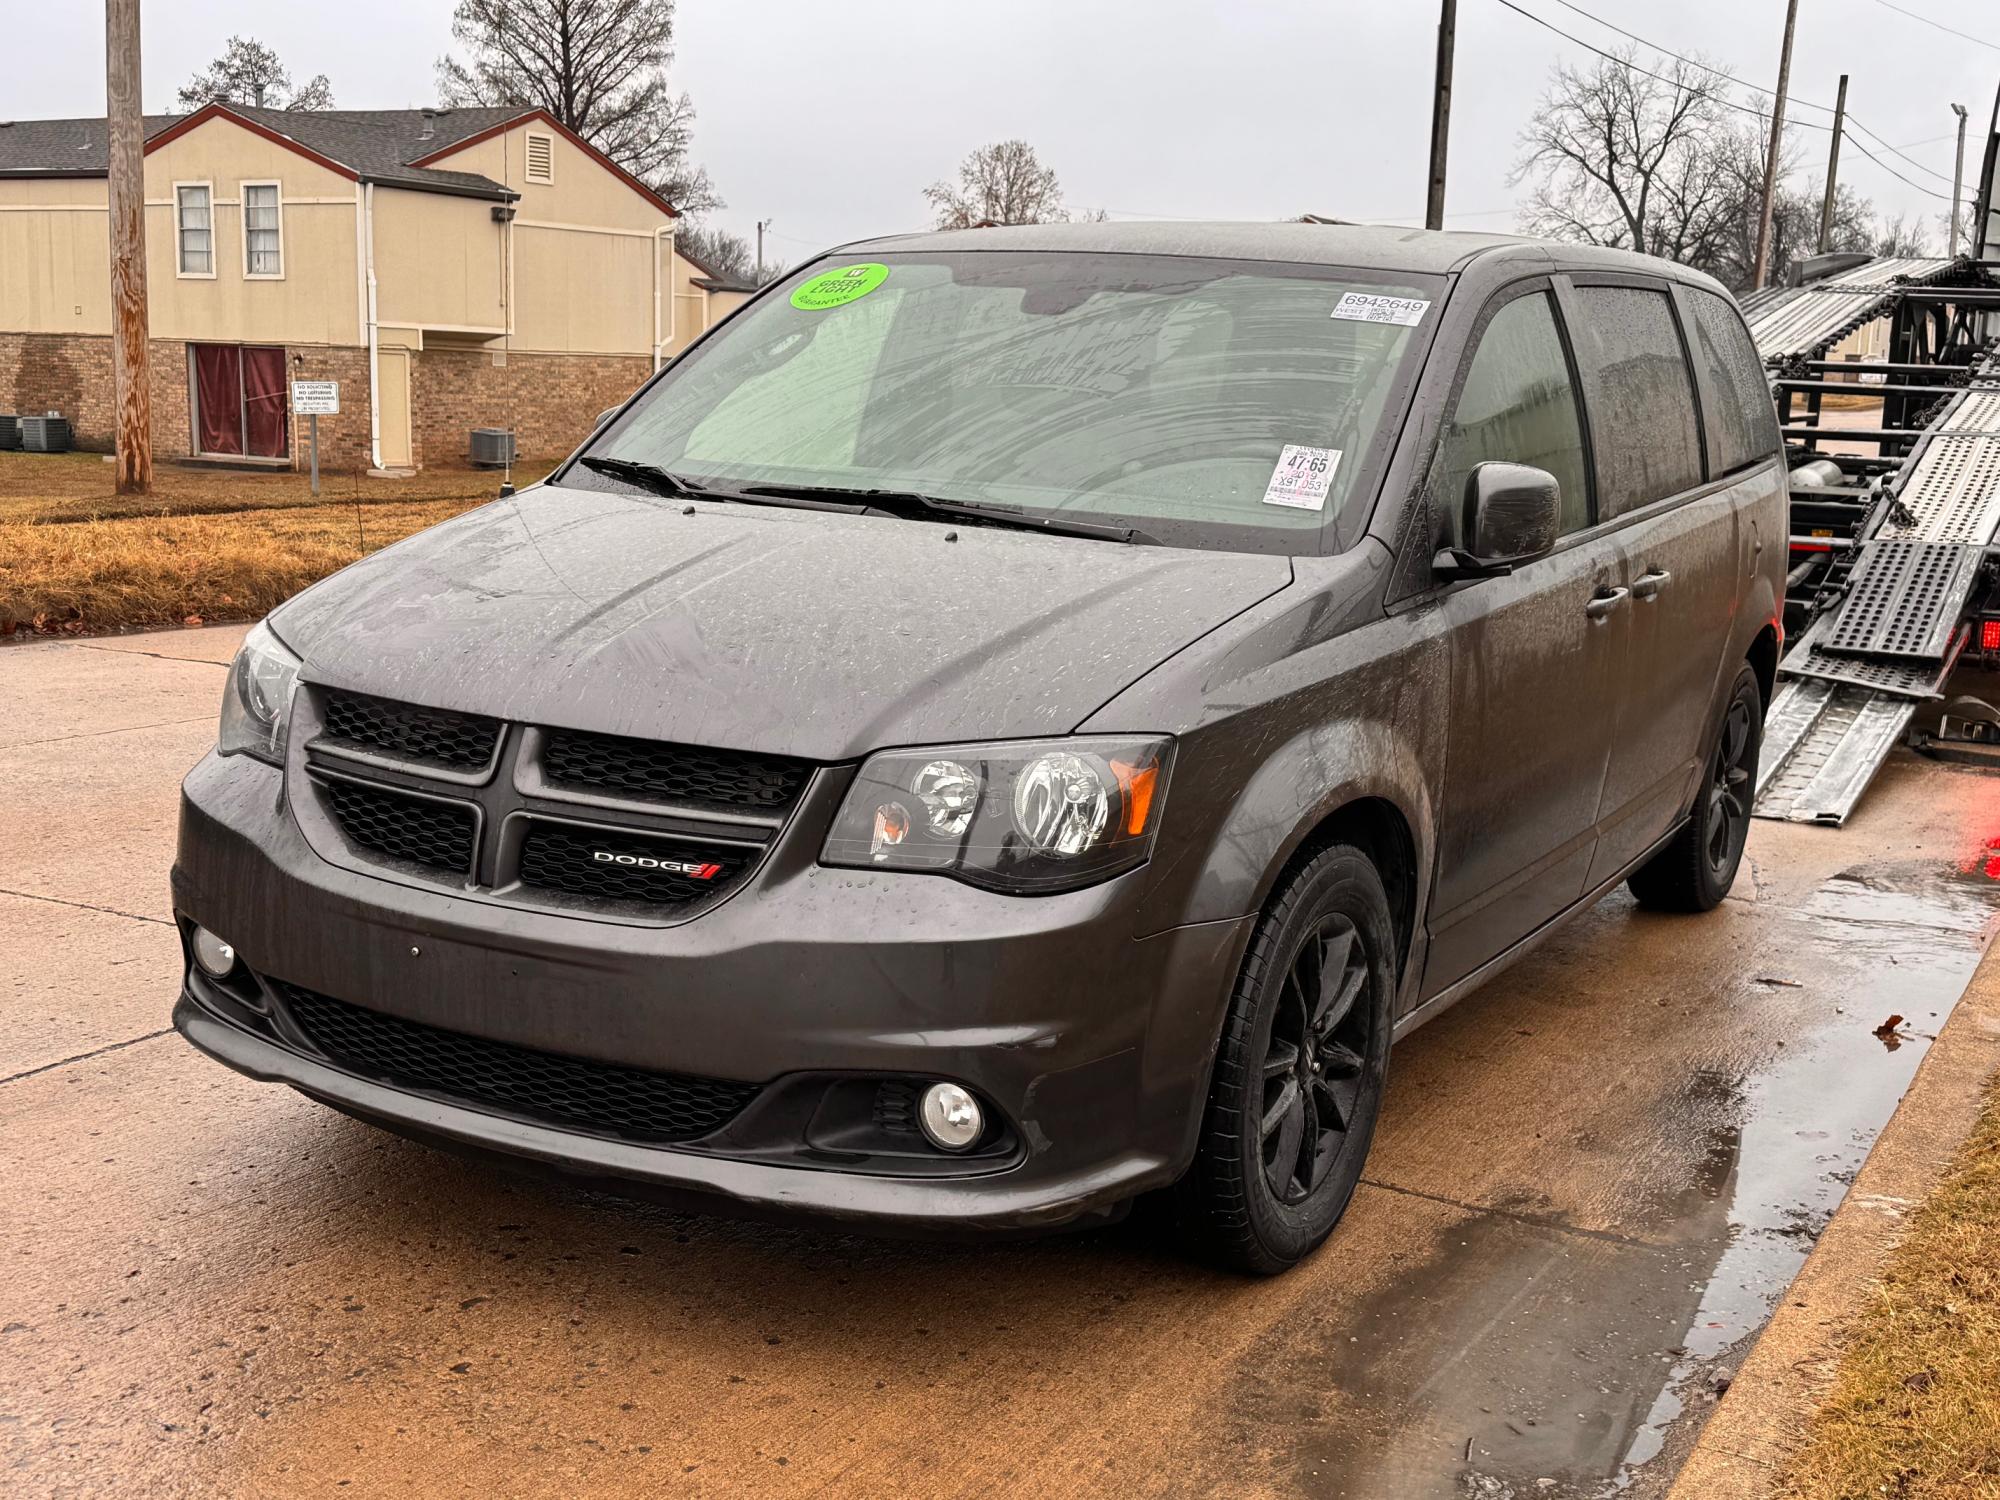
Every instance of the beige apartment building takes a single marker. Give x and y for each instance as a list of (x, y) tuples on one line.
[(452, 269)]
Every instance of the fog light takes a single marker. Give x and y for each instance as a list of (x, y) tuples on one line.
[(216, 957), (951, 1118)]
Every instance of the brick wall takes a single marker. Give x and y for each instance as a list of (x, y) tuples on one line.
[(551, 401), (71, 374)]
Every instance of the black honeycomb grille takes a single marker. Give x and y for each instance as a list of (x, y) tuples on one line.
[(464, 742), (573, 1092), (438, 835), (673, 773), (606, 866)]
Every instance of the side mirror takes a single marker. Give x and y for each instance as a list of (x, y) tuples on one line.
[(1513, 515)]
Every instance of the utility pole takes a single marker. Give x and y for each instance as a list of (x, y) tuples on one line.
[(1777, 141), (1441, 113), (1832, 169), (125, 188), (1957, 180), (762, 225)]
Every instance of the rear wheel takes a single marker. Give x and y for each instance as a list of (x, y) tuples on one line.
[(1695, 871), (1299, 1074)]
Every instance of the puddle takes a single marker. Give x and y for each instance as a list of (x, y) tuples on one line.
[(1529, 1357)]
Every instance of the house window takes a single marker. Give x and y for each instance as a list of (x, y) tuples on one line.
[(263, 243), (191, 222), (541, 158)]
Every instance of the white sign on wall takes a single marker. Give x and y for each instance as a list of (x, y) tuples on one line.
[(316, 398)]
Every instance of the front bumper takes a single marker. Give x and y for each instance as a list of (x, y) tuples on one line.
[(1093, 1047)]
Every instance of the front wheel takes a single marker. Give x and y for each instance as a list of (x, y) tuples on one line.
[(1694, 872), (1299, 1074)]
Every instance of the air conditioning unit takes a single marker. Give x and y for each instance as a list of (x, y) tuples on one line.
[(45, 434), (492, 447), (10, 432)]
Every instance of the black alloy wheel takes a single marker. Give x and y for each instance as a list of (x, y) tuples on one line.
[(1320, 1043), (1726, 819), (1298, 1076), (1699, 864)]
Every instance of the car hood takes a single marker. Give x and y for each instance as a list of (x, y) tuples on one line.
[(806, 633)]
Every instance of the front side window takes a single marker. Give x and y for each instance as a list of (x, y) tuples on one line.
[(192, 228), (1208, 403), (262, 243), (1641, 394), (1518, 405)]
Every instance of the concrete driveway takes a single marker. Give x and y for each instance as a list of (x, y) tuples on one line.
[(1593, 1180)]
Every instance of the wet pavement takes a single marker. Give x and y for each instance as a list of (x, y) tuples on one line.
[(1594, 1179)]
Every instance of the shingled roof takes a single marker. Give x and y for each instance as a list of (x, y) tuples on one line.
[(371, 145)]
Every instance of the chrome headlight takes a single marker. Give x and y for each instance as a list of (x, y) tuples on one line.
[(1025, 817), (257, 703)]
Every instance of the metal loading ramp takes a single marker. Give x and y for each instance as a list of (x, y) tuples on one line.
[(1851, 684)]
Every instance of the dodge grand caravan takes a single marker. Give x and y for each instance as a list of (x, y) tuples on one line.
[(1010, 720)]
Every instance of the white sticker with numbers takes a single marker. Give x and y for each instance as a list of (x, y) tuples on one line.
[(1302, 477), (1366, 307)]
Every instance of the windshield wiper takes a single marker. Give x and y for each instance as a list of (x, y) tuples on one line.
[(914, 506), (666, 482)]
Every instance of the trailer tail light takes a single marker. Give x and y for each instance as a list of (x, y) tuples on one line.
[(1989, 635)]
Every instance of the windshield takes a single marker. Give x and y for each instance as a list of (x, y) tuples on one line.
[(1209, 403)]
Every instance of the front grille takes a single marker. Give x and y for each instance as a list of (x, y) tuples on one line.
[(561, 857), (672, 773), (568, 1091), (463, 742), (438, 835)]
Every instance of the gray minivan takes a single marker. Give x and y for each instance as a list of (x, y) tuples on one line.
[(1010, 720)]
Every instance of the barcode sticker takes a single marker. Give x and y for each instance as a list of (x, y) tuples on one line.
[(1366, 307), (1302, 477)]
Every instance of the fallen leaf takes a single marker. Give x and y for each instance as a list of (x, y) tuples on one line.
[(1888, 1028)]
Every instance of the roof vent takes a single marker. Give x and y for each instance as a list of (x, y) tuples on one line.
[(430, 123)]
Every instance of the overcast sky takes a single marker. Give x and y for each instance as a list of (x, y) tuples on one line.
[(830, 119)]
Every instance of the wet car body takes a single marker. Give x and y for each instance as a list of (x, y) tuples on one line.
[(1499, 755)]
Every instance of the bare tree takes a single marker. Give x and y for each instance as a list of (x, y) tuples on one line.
[(1004, 183), (1898, 237), (726, 255), (1620, 157), (598, 66), (249, 73)]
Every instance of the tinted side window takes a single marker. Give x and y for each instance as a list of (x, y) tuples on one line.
[(1518, 405), (1744, 427), (1641, 396)]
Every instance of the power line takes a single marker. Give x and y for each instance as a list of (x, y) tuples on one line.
[(1914, 16), (1633, 67), (1853, 122)]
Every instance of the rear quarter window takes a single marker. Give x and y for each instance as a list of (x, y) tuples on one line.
[(1641, 397), (1743, 427)]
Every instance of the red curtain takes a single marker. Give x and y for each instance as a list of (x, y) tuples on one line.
[(218, 398), (264, 401)]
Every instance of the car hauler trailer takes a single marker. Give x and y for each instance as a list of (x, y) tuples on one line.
[(1892, 549)]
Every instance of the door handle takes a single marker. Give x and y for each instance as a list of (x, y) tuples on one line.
[(1651, 582), (1604, 601)]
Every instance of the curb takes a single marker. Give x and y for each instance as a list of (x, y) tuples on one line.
[(1762, 1421)]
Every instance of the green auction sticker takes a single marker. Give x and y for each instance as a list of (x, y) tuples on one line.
[(834, 288)]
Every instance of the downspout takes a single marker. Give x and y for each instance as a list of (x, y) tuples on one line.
[(668, 231), (374, 346)]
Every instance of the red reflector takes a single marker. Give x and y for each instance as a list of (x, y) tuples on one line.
[(1989, 635)]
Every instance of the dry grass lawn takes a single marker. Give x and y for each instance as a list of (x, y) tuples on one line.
[(1915, 1409), (205, 546)]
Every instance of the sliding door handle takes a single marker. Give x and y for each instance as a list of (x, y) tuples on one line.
[(1651, 582), (1605, 601)]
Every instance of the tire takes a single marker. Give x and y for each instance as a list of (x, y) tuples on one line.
[(1695, 871), (1256, 1199)]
